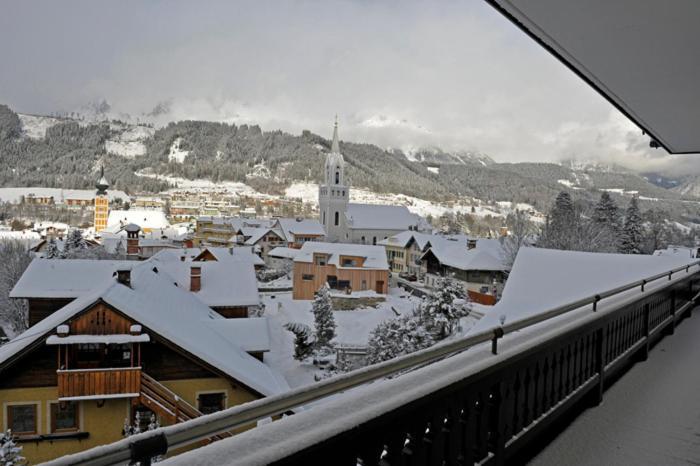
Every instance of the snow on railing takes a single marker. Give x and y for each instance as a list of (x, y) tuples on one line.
[(143, 446)]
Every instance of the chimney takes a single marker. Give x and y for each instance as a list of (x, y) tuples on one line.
[(471, 243), (124, 277), (195, 279)]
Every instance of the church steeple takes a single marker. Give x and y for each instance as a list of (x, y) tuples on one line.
[(335, 146), (102, 184)]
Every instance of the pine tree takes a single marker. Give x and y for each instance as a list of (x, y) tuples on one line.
[(607, 224), (135, 428), (396, 337), (324, 322), (632, 230), (442, 310), (303, 341), (74, 242), (560, 223), (52, 251), (10, 453)]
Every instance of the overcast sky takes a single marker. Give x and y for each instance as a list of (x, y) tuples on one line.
[(402, 74)]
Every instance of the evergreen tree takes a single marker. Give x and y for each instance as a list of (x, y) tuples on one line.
[(443, 309), (10, 453), (303, 341), (135, 428), (74, 242), (561, 224), (52, 251), (606, 219), (396, 337), (632, 230), (324, 322)]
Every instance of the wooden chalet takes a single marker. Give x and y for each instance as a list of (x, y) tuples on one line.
[(138, 344)]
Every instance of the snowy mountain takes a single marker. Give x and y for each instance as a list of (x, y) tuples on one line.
[(434, 156)]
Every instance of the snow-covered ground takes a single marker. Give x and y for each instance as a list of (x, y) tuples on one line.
[(232, 187), (176, 153), (353, 328), (130, 143), (35, 126)]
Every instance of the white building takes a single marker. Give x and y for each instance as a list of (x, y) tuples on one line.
[(357, 223)]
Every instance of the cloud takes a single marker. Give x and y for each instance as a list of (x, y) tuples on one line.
[(401, 74)]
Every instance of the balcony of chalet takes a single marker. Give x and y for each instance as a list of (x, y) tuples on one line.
[(98, 366)]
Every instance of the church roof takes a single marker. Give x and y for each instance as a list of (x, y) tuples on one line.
[(381, 217)]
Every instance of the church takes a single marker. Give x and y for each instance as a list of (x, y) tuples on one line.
[(345, 222)]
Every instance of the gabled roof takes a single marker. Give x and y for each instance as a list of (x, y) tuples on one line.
[(300, 226), (382, 217), (252, 334), (486, 256), (65, 278), (375, 256), (641, 55), (172, 313), (230, 283), (256, 234), (283, 252), (236, 254), (403, 239)]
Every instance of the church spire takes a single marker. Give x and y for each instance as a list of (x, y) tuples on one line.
[(335, 146), (102, 184)]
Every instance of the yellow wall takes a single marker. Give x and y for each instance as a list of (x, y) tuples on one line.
[(103, 423)]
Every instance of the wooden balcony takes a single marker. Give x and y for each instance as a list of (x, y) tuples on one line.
[(95, 383)]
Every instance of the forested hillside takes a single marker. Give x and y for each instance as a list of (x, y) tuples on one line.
[(70, 152)]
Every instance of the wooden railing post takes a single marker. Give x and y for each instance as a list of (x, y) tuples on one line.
[(597, 397)]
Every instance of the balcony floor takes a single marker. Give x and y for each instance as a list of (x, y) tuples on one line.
[(651, 416)]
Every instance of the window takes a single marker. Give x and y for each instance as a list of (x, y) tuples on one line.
[(337, 218), (64, 417), (211, 402), (324, 217), (320, 259), (349, 262), (307, 277), (21, 419), (337, 177), (374, 240), (364, 285)]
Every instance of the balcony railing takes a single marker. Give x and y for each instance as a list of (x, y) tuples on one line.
[(450, 406), (95, 383)]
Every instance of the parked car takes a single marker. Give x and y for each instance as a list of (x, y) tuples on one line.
[(408, 276)]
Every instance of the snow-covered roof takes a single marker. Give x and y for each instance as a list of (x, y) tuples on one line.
[(236, 254), (542, 279), (65, 278), (14, 195), (251, 334), (256, 234), (402, 240), (382, 217), (171, 312), (144, 218), (283, 252), (375, 256), (231, 283), (300, 226), (682, 251), (488, 254), (223, 284), (117, 339)]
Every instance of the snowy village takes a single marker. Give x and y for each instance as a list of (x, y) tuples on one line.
[(181, 286)]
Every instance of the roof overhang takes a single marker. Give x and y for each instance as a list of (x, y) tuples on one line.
[(641, 55)]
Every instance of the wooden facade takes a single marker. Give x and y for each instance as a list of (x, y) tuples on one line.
[(100, 320), (41, 308), (232, 312), (309, 278), (94, 382)]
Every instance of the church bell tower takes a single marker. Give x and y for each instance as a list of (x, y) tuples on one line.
[(334, 194)]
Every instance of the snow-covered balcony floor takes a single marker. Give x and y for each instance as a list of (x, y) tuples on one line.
[(651, 416)]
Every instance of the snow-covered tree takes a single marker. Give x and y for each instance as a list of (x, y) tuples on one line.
[(632, 230), (324, 323), (304, 339), (52, 251), (396, 337), (441, 310), (135, 428), (74, 241), (10, 452), (14, 259)]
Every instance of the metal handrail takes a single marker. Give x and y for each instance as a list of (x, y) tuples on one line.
[(189, 432)]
